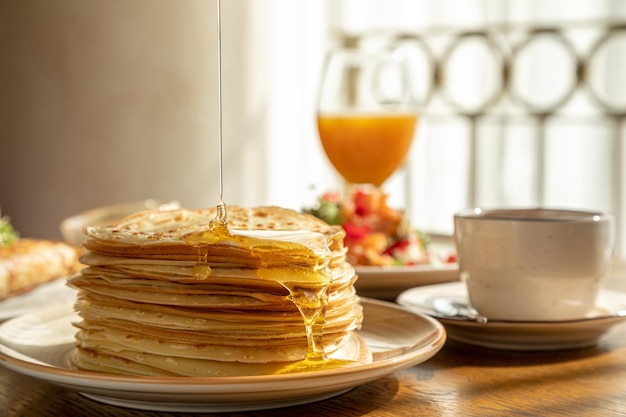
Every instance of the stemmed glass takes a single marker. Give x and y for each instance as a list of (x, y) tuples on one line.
[(367, 114)]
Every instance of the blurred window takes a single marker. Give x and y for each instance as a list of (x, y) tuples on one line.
[(523, 103)]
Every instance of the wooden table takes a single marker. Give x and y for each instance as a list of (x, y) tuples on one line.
[(460, 380)]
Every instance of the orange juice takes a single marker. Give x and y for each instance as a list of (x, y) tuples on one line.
[(366, 148)]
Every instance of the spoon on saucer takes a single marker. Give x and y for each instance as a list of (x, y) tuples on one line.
[(453, 309)]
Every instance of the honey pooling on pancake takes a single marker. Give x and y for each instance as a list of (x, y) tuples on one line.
[(308, 289)]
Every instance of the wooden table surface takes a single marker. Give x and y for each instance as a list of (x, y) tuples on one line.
[(460, 380)]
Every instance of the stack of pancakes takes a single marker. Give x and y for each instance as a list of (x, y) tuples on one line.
[(167, 293)]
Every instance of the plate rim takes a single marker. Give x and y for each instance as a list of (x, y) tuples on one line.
[(406, 269), (388, 282), (199, 385)]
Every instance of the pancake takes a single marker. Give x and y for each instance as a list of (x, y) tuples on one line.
[(167, 293), (28, 263), (169, 235), (148, 364)]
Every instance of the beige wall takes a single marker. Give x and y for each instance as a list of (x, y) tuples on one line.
[(107, 101)]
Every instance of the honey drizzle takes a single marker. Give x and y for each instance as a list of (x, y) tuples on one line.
[(221, 207), (307, 286), (310, 296)]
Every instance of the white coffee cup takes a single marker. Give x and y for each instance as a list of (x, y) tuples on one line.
[(533, 264)]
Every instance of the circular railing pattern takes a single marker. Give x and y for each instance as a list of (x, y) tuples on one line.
[(610, 45), (519, 62)]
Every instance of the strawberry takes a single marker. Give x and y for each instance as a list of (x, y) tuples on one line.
[(355, 231)]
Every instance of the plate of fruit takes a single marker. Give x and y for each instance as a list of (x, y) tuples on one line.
[(388, 254)]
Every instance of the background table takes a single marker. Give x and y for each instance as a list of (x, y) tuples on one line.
[(459, 381)]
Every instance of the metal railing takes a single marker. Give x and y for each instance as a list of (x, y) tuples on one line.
[(572, 72)]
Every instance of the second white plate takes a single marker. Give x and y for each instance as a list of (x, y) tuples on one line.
[(388, 282)]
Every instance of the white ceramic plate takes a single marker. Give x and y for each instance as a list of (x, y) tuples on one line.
[(53, 292), (38, 344), (513, 335), (388, 282)]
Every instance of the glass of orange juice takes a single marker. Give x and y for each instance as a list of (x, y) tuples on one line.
[(367, 114)]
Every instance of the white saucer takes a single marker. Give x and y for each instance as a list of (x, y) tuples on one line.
[(515, 335), (38, 344)]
